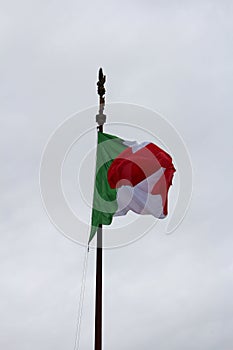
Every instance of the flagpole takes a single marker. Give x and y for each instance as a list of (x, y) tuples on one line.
[(100, 119)]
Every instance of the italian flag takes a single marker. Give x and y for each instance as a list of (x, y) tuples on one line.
[(129, 176)]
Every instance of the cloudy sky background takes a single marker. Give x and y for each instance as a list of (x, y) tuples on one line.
[(163, 292)]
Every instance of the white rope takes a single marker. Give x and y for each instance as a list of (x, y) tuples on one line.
[(81, 300)]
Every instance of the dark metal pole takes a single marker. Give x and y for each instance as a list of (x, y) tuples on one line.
[(100, 119), (98, 302)]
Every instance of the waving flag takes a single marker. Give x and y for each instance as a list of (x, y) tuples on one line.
[(129, 176)]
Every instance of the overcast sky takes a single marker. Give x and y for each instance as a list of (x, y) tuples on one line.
[(162, 292)]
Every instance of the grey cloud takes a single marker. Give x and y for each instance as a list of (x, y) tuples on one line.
[(166, 292)]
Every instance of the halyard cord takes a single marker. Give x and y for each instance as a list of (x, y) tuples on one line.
[(81, 300)]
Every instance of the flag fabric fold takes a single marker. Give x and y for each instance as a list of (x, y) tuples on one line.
[(129, 176)]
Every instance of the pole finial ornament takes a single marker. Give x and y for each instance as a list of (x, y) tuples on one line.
[(101, 82), (101, 117)]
